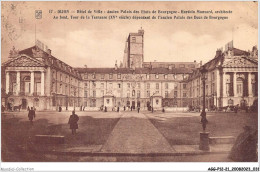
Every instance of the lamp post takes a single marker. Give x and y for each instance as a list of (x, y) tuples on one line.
[(204, 136)]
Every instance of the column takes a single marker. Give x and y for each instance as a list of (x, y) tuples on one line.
[(32, 82), (7, 79), (18, 82), (224, 85), (42, 83), (235, 84), (249, 85)]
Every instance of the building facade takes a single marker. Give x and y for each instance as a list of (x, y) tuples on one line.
[(33, 77)]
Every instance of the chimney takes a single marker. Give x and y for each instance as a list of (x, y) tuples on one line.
[(49, 52), (218, 52), (201, 63), (141, 31)]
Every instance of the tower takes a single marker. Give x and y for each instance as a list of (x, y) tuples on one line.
[(135, 50)]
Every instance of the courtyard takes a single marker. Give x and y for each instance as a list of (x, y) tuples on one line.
[(116, 133)]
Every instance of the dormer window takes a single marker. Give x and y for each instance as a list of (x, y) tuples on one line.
[(157, 76), (93, 76), (110, 76), (147, 76), (119, 76)]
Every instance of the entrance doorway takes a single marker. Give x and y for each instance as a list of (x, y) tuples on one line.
[(24, 103), (133, 104)]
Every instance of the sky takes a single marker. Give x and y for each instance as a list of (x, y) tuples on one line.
[(99, 43)]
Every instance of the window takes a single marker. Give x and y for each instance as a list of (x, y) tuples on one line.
[(85, 76), (128, 85), (174, 76), (184, 94), (182, 66), (86, 84), (161, 66), (93, 84), (184, 86), (156, 76), (61, 77), (148, 85), (118, 76), (133, 39), (138, 94), (102, 76), (110, 76), (228, 90), (239, 89), (119, 85), (206, 90), (128, 94), (85, 93), (175, 93), (102, 92), (148, 93), (166, 94), (212, 76), (94, 93), (165, 76), (157, 85), (147, 76), (93, 76), (166, 86), (110, 86), (138, 85), (133, 93)]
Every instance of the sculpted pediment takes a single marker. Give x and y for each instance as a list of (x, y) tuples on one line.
[(240, 62), (24, 61)]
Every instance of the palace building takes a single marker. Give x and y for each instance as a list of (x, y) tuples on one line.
[(33, 77)]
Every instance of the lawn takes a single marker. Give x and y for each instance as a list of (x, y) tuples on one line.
[(17, 132), (185, 130)]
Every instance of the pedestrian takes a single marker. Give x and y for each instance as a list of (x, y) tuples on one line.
[(105, 109), (138, 109), (124, 108), (163, 110), (131, 108), (31, 115), (73, 121), (117, 108)]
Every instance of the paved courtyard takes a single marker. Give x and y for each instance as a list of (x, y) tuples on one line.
[(111, 132)]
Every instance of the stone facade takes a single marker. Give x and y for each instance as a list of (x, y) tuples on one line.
[(33, 77)]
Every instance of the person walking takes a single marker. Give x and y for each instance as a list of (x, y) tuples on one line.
[(31, 115), (138, 109), (73, 121)]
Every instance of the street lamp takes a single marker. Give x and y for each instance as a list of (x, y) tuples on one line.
[(204, 121), (204, 136)]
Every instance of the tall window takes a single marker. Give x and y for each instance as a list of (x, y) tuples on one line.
[(110, 76), (148, 85), (133, 93), (184, 94), (119, 85), (128, 85), (86, 93), (118, 76), (138, 85), (138, 94), (166, 86), (166, 94), (102, 76), (184, 86), (85, 76), (148, 93), (94, 93), (93, 76), (175, 93), (102, 85), (133, 39), (157, 85)]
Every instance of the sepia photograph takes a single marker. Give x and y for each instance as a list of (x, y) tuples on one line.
[(118, 81)]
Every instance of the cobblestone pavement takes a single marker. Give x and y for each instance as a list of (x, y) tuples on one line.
[(134, 133)]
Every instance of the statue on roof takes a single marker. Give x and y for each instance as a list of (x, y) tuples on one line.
[(13, 53)]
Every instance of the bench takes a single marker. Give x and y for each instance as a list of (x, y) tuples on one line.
[(222, 140), (49, 139)]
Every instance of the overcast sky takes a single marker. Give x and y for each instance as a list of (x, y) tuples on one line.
[(98, 43)]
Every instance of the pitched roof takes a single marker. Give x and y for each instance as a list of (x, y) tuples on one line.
[(137, 70)]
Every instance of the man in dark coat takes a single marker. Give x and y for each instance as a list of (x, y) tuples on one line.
[(73, 121), (31, 115)]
